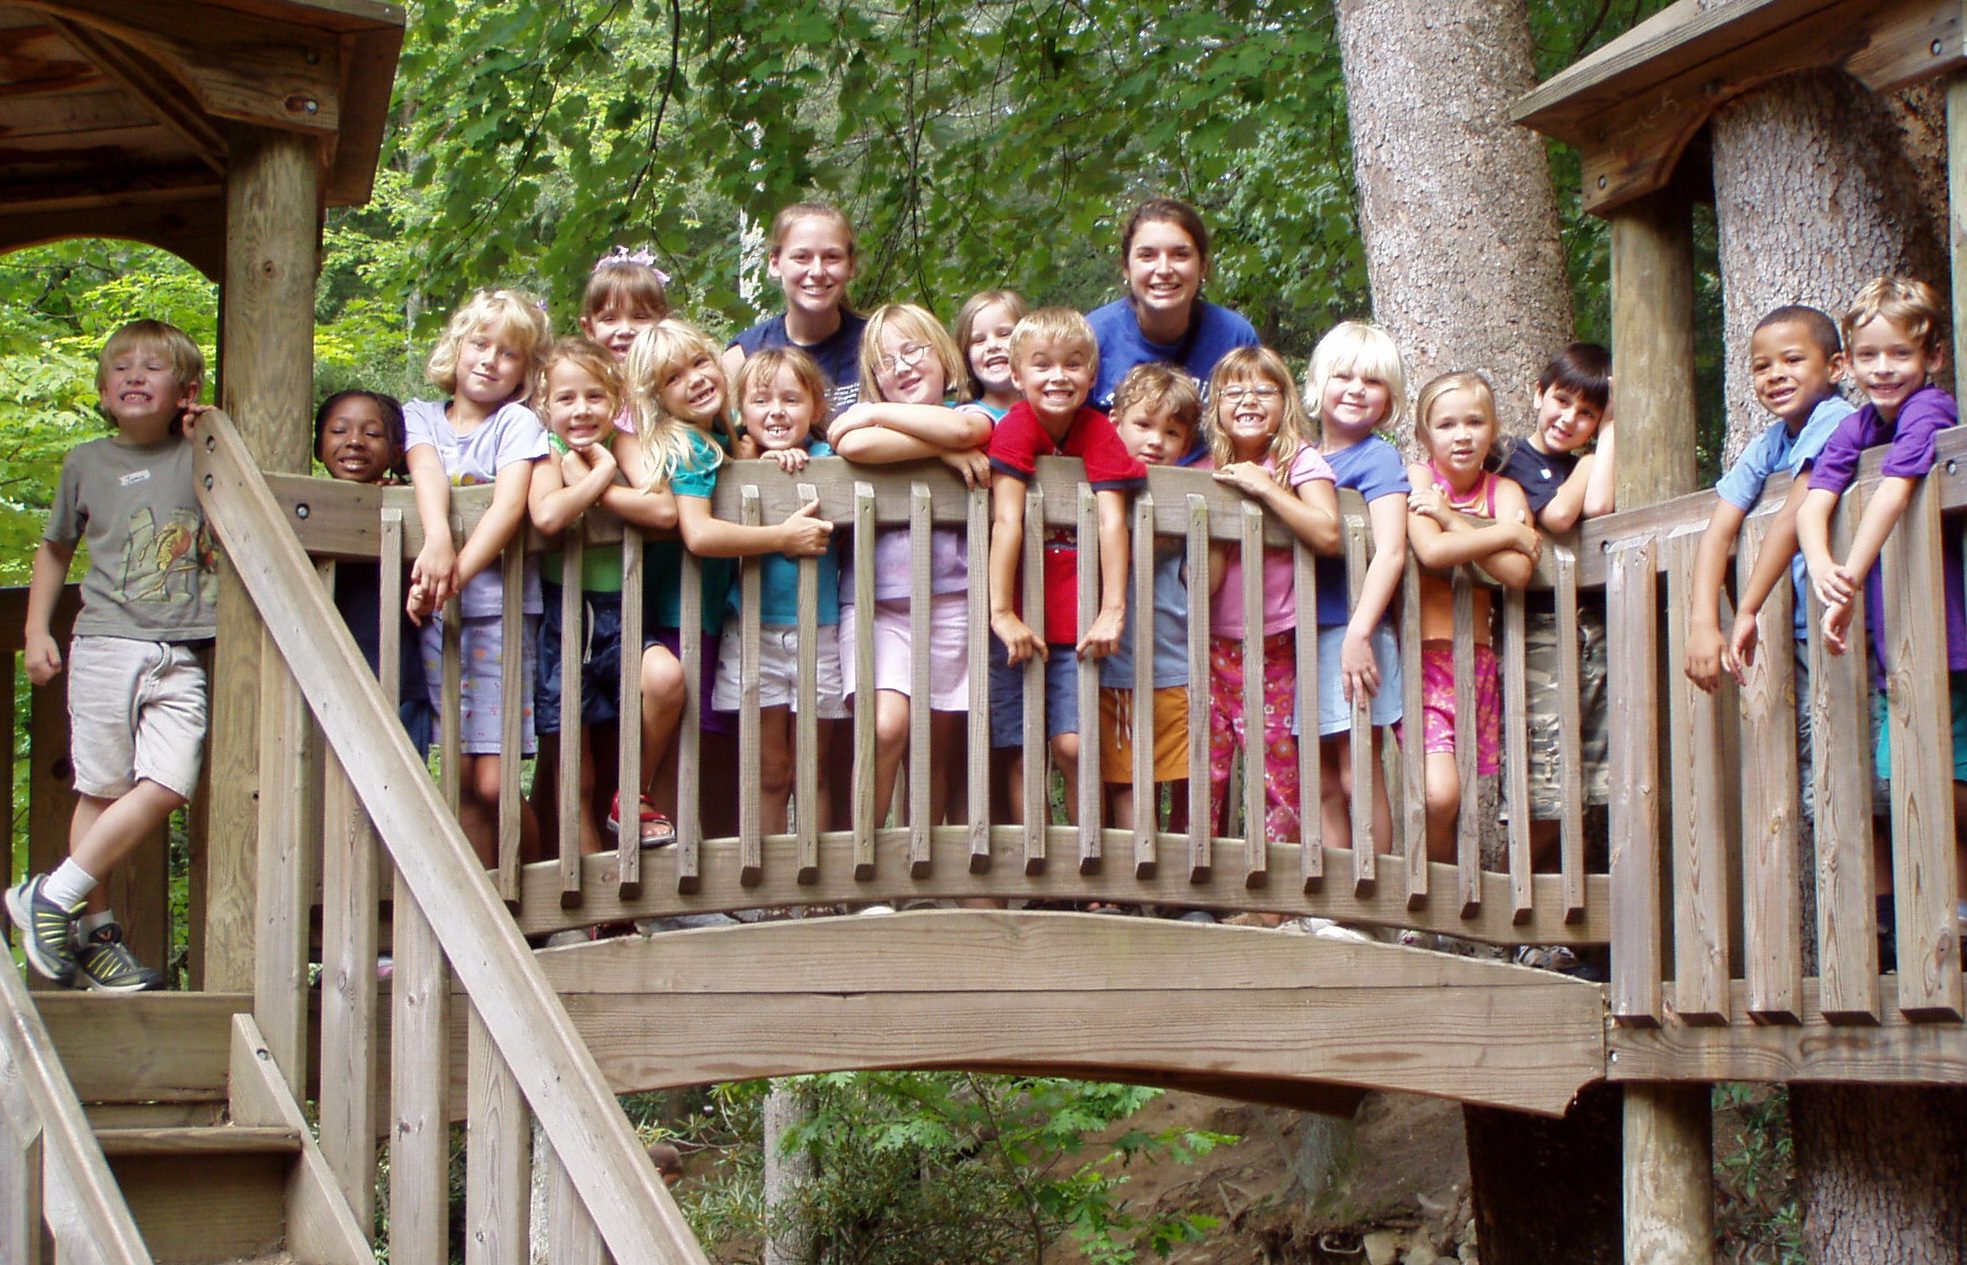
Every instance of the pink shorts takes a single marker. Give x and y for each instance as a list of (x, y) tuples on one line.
[(894, 649), (1438, 704)]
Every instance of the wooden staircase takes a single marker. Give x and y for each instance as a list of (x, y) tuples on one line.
[(182, 1095)]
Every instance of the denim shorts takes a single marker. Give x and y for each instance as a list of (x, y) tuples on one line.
[(1007, 695), (1334, 712)]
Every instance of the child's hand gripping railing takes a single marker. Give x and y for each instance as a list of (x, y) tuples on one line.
[(52, 1169), (523, 1050), (1710, 872)]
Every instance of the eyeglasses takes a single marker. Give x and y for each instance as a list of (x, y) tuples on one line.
[(1262, 394), (906, 356)]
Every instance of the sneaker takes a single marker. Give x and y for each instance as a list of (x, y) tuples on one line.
[(1547, 957), (108, 966), (44, 929)]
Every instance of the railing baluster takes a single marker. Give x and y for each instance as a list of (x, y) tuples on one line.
[(569, 808), (1201, 811), (1256, 826), (1365, 861), (1923, 861), (689, 735), (630, 776), (1516, 734), (1140, 622), (1847, 920), (1311, 777), (280, 991), (1570, 742), (751, 849), (1700, 843), (1413, 752), (20, 1186), (1633, 655), (498, 1134), (1087, 793), (806, 721), (921, 772), (349, 895), (979, 653), (1772, 907), (571, 1238), (1468, 824), (419, 1073), (1037, 806), (867, 814), (515, 696)]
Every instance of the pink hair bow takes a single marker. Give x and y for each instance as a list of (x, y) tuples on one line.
[(623, 255)]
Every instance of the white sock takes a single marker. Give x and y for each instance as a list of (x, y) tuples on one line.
[(87, 923), (68, 885)]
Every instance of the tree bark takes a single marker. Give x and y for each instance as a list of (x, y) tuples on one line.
[(1883, 1170), (787, 1242), (1548, 1190), (1455, 201)]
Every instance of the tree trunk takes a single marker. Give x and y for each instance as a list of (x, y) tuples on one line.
[(1883, 1170), (1455, 200), (1467, 270), (788, 1241), (1819, 186)]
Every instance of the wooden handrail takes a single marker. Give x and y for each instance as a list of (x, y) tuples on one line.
[(81, 1201), (521, 1013)]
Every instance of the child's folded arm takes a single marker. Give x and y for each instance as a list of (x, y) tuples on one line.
[(1601, 485), (944, 429), (802, 535), (553, 503)]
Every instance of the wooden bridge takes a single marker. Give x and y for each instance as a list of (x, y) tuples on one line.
[(172, 1127)]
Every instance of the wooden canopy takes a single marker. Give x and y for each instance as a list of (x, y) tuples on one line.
[(1632, 107), (117, 117)]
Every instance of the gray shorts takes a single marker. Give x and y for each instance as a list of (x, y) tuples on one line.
[(1541, 677), (136, 712)]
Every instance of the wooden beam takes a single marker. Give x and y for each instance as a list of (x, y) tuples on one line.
[(1669, 1175), (162, 96), (190, 225)]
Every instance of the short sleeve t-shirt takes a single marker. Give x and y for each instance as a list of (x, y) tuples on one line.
[(1373, 468), (1213, 332), (778, 580), (894, 556), (513, 434), (1015, 446), (601, 565), (662, 596), (1774, 451), (838, 354), (1279, 576), (1538, 473), (1910, 455), (152, 564)]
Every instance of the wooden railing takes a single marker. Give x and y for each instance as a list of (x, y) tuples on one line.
[(368, 787), (1709, 871), (1039, 859), (52, 1172)]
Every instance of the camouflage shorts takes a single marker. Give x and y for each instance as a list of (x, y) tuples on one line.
[(1540, 672)]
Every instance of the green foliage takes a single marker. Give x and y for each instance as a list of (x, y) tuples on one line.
[(918, 1167), (1758, 1213)]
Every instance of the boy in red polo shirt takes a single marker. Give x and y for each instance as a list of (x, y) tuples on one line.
[(1054, 360)]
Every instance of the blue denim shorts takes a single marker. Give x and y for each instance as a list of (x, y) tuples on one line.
[(1007, 695), (601, 660)]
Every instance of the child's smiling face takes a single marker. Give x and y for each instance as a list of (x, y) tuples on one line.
[(989, 351), (1249, 411), (579, 407), (1352, 404), (141, 390), (694, 391), (779, 414), (1154, 436), (491, 367), (1791, 370), (1889, 364), (1458, 435), (908, 370), (1056, 376), (355, 441), (615, 327), (1566, 421)]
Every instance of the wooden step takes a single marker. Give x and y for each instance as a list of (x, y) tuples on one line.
[(144, 1047), (225, 1139)]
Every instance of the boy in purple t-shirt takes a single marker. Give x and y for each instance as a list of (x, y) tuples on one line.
[(1053, 361), (1892, 337)]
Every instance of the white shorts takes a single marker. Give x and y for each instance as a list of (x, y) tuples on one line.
[(778, 669), (136, 712), (894, 649)]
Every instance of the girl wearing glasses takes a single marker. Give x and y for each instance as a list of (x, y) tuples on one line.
[(909, 365)]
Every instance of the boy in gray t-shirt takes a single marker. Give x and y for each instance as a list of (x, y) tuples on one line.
[(136, 696)]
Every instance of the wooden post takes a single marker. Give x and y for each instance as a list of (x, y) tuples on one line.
[(1668, 1163), (266, 358)]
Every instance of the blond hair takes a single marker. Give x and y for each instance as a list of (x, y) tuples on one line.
[(914, 325), (972, 388), (788, 216), (593, 359), (1462, 380), (1054, 325), (657, 354), (507, 314), (1911, 305), (1159, 387), (763, 366), (1363, 348), (187, 362), (1243, 364)]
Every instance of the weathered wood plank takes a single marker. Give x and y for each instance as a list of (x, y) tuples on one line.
[(867, 814), (978, 782), (1365, 870), (1037, 806), (921, 765), (569, 808), (1570, 737), (1468, 821), (750, 579), (1311, 787), (514, 675), (689, 737), (1700, 845), (1638, 960), (1256, 770), (630, 776), (285, 882), (1516, 737), (348, 994), (1201, 811), (570, 1236), (1413, 755), (806, 721), (498, 1135), (1140, 622), (1772, 896), (419, 1139)]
